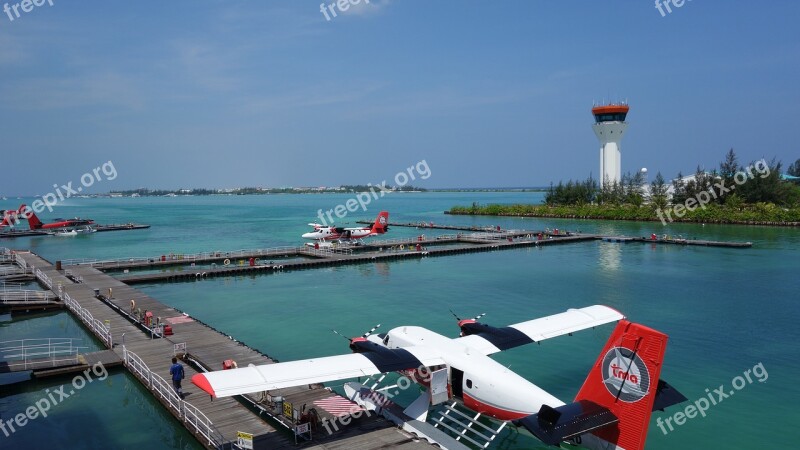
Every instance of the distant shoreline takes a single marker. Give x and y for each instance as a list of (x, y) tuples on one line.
[(762, 214), (276, 191)]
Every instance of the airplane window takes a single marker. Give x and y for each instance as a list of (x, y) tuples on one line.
[(469, 384)]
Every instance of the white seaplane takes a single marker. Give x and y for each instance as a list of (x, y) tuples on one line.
[(611, 411)]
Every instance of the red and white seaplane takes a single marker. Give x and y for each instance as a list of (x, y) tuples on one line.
[(323, 233), (611, 411), (11, 217), (35, 224)]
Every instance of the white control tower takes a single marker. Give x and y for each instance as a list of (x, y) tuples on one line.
[(610, 128)]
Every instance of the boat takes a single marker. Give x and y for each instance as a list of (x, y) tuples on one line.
[(65, 233), (87, 230)]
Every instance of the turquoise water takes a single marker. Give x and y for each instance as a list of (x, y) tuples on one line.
[(726, 310)]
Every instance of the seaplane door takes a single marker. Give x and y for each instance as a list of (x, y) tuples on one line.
[(457, 382), (439, 392)]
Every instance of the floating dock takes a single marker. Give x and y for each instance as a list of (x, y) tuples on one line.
[(98, 228), (146, 353), (49, 366), (243, 262), (102, 303)]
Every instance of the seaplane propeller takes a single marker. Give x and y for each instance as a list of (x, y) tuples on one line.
[(464, 324), (354, 341)]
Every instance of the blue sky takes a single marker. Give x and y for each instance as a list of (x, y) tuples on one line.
[(270, 93)]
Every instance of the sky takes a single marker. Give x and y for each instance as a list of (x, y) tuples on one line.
[(220, 94)]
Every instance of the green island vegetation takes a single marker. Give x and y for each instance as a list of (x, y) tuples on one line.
[(757, 194)]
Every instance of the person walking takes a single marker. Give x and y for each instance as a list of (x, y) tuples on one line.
[(176, 370)]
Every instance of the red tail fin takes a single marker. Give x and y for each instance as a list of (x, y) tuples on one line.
[(381, 223), (33, 222), (624, 379)]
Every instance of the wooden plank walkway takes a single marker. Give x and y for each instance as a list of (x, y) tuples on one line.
[(98, 228), (433, 226), (208, 348), (369, 255)]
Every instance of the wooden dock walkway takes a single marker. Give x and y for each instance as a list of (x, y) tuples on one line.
[(99, 228), (433, 226), (215, 423), (466, 245)]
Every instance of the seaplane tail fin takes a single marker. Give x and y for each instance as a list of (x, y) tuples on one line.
[(613, 407), (33, 222), (381, 224)]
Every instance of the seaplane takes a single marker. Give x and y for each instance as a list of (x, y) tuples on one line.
[(325, 233), (11, 217), (35, 224), (611, 410)]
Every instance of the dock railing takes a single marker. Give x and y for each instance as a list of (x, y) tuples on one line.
[(99, 328), (194, 419), (20, 262), (27, 354), (328, 251), (189, 258), (17, 296)]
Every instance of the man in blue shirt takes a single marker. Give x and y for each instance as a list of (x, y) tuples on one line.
[(177, 375)]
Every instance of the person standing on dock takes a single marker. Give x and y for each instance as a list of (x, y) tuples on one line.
[(177, 375)]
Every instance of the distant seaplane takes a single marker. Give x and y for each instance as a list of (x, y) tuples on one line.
[(323, 233), (35, 224)]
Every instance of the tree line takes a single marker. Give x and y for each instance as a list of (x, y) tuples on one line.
[(732, 185)]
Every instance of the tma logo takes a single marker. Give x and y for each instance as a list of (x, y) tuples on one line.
[(625, 375)]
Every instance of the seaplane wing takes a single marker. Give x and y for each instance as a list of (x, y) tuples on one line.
[(225, 383), (489, 339)]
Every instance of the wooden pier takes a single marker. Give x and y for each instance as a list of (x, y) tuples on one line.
[(98, 228), (433, 226), (103, 304), (373, 252), (147, 356), (369, 255)]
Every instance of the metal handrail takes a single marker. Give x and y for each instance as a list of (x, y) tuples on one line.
[(99, 328), (24, 352), (26, 296), (201, 423), (183, 257), (187, 413)]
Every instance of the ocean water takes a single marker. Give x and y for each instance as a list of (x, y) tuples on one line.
[(726, 310)]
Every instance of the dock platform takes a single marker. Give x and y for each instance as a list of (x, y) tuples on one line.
[(59, 365), (99, 228), (147, 356)]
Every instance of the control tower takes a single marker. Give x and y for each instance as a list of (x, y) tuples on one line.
[(609, 127)]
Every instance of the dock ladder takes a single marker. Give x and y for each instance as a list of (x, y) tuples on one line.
[(466, 426)]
